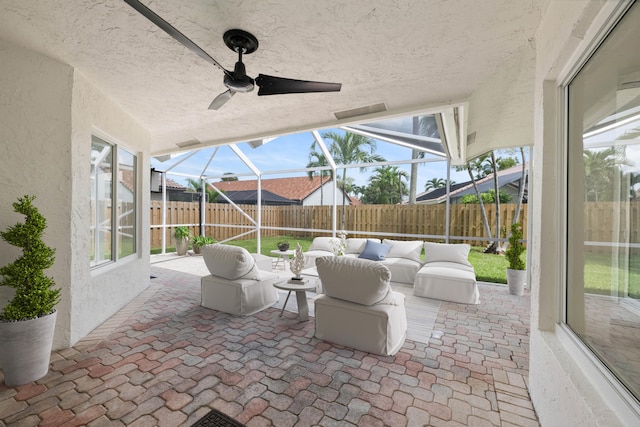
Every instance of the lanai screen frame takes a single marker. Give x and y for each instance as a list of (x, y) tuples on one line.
[(451, 124)]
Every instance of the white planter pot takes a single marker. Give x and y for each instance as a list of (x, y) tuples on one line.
[(516, 280), (182, 246), (26, 349)]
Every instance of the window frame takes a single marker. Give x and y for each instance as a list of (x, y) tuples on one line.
[(115, 200), (626, 405)]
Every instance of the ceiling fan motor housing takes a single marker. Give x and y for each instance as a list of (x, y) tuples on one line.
[(238, 81)]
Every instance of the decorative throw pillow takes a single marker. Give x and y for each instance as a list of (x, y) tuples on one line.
[(456, 252), (375, 251), (404, 249), (322, 244), (230, 262)]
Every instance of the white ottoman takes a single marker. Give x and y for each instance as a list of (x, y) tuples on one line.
[(447, 281)]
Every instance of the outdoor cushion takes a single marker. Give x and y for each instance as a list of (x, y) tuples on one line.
[(457, 252), (447, 281), (355, 245), (230, 262), (375, 251), (404, 249), (402, 270), (263, 262), (352, 279), (322, 244)]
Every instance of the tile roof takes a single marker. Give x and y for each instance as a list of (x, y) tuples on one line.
[(127, 179), (250, 197), (505, 177), (171, 184), (295, 188)]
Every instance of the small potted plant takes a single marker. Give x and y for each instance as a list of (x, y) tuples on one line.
[(181, 233), (283, 245), (199, 241), (516, 272), (27, 322)]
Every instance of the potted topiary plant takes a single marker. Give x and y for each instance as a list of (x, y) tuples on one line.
[(27, 322), (516, 273), (199, 241), (181, 233)]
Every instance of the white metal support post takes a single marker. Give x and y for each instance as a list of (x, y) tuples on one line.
[(332, 164), (164, 213)]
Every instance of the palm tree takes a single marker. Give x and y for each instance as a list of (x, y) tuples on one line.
[(496, 187), (600, 168), (196, 186), (227, 177), (523, 185), (386, 186), (426, 126), (434, 183), (350, 148), (476, 164), (523, 182), (317, 159)]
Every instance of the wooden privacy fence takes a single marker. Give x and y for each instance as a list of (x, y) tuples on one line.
[(423, 220)]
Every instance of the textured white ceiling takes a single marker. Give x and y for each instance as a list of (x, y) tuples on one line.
[(410, 54)]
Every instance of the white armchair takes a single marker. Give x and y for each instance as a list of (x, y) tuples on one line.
[(358, 308), (236, 285)]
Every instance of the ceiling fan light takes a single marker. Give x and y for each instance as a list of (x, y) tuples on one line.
[(243, 84)]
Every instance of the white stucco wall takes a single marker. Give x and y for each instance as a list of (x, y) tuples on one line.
[(566, 386), (47, 113), (98, 294), (35, 133)]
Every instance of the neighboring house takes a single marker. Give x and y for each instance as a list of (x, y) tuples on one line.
[(175, 192), (294, 191), (127, 185), (250, 197), (508, 182)]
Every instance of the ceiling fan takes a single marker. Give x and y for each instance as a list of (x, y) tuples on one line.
[(243, 43)]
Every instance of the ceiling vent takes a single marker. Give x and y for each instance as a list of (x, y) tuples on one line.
[(471, 138), (361, 111), (189, 143)]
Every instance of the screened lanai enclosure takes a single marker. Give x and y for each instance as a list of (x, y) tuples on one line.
[(366, 179)]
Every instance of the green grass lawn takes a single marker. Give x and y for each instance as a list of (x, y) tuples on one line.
[(489, 267), (600, 275)]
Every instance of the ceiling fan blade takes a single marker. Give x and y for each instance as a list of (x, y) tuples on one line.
[(221, 99), (270, 85), (173, 32)]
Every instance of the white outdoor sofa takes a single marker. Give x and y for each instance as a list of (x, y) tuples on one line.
[(402, 257), (445, 274)]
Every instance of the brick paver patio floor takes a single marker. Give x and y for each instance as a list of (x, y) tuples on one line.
[(164, 360)]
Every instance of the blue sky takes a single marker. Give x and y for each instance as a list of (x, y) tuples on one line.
[(292, 152)]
